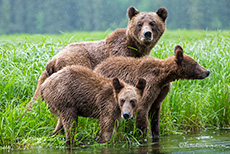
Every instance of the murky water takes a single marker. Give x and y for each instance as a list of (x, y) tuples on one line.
[(210, 141)]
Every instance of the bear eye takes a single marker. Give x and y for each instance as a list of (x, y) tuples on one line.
[(139, 25), (133, 102), (151, 24), (122, 101)]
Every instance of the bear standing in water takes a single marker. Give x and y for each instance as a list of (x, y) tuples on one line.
[(141, 35), (158, 74), (78, 91)]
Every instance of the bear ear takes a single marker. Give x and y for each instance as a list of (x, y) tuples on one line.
[(141, 85), (117, 85), (50, 68), (132, 12), (163, 13), (179, 54)]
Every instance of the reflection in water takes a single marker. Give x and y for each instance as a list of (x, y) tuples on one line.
[(210, 141)]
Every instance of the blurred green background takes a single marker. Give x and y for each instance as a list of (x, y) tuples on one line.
[(57, 16)]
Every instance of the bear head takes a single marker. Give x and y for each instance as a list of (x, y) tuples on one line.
[(188, 68), (128, 96), (146, 27)]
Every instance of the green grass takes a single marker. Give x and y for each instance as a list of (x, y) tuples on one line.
[(189, 106)]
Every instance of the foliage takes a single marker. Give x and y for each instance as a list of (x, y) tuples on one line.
[(56, 16), (189, 106)]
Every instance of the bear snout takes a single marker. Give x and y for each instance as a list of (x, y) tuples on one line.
[(204, 75), (146, 34), (126, 115)]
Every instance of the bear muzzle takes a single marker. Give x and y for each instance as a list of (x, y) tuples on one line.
[(147, 36), (202, 72), (204, 75)]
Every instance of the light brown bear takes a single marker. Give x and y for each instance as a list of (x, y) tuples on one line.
[(141, 35), (78, 91), (158, 73)]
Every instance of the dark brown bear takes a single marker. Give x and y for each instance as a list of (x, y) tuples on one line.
[(158, 73), (141, 35), (78, 91)]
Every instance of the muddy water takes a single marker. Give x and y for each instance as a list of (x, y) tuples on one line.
[(210, 141)]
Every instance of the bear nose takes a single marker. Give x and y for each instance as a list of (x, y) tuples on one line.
[(208, 72), (148, 34), (126, 115)]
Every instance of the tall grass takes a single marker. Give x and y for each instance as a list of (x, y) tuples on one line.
[(199, 104), (189, 106)]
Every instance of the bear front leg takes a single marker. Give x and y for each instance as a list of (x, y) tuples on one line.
[(155, 119), (41, 79), (37, 92), (59, 127), (106, 128), (69, 121), (154, 112), (142, 121)]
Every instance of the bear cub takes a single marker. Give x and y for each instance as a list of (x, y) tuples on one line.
[(159, 73), (78, 91)]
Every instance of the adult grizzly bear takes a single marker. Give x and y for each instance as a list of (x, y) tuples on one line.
[(158, 74), (141, 35), (78, 91)]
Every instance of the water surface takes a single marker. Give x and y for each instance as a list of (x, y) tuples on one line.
[(209, 141)]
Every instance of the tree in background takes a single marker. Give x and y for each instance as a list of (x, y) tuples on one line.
[(54, 16)]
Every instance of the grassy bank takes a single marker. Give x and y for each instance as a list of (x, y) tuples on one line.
[(189, 106)]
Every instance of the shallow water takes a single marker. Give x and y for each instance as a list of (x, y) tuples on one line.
[(210, 141)]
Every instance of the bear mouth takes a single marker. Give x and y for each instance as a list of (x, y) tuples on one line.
[(201, 77), (146, 40), (204, 75)]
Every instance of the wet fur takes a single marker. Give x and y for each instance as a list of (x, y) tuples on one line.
[(158, 74), (122, 42), (78, 91)]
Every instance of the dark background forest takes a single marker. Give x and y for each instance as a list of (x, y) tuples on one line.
[(55, 16)]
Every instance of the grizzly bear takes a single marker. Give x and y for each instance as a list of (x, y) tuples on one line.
[(141, 35), (158, 73), (78, 91)]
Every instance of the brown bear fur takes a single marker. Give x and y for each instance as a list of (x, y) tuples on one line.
[(158, 74), (141, 35), (78, 91)]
